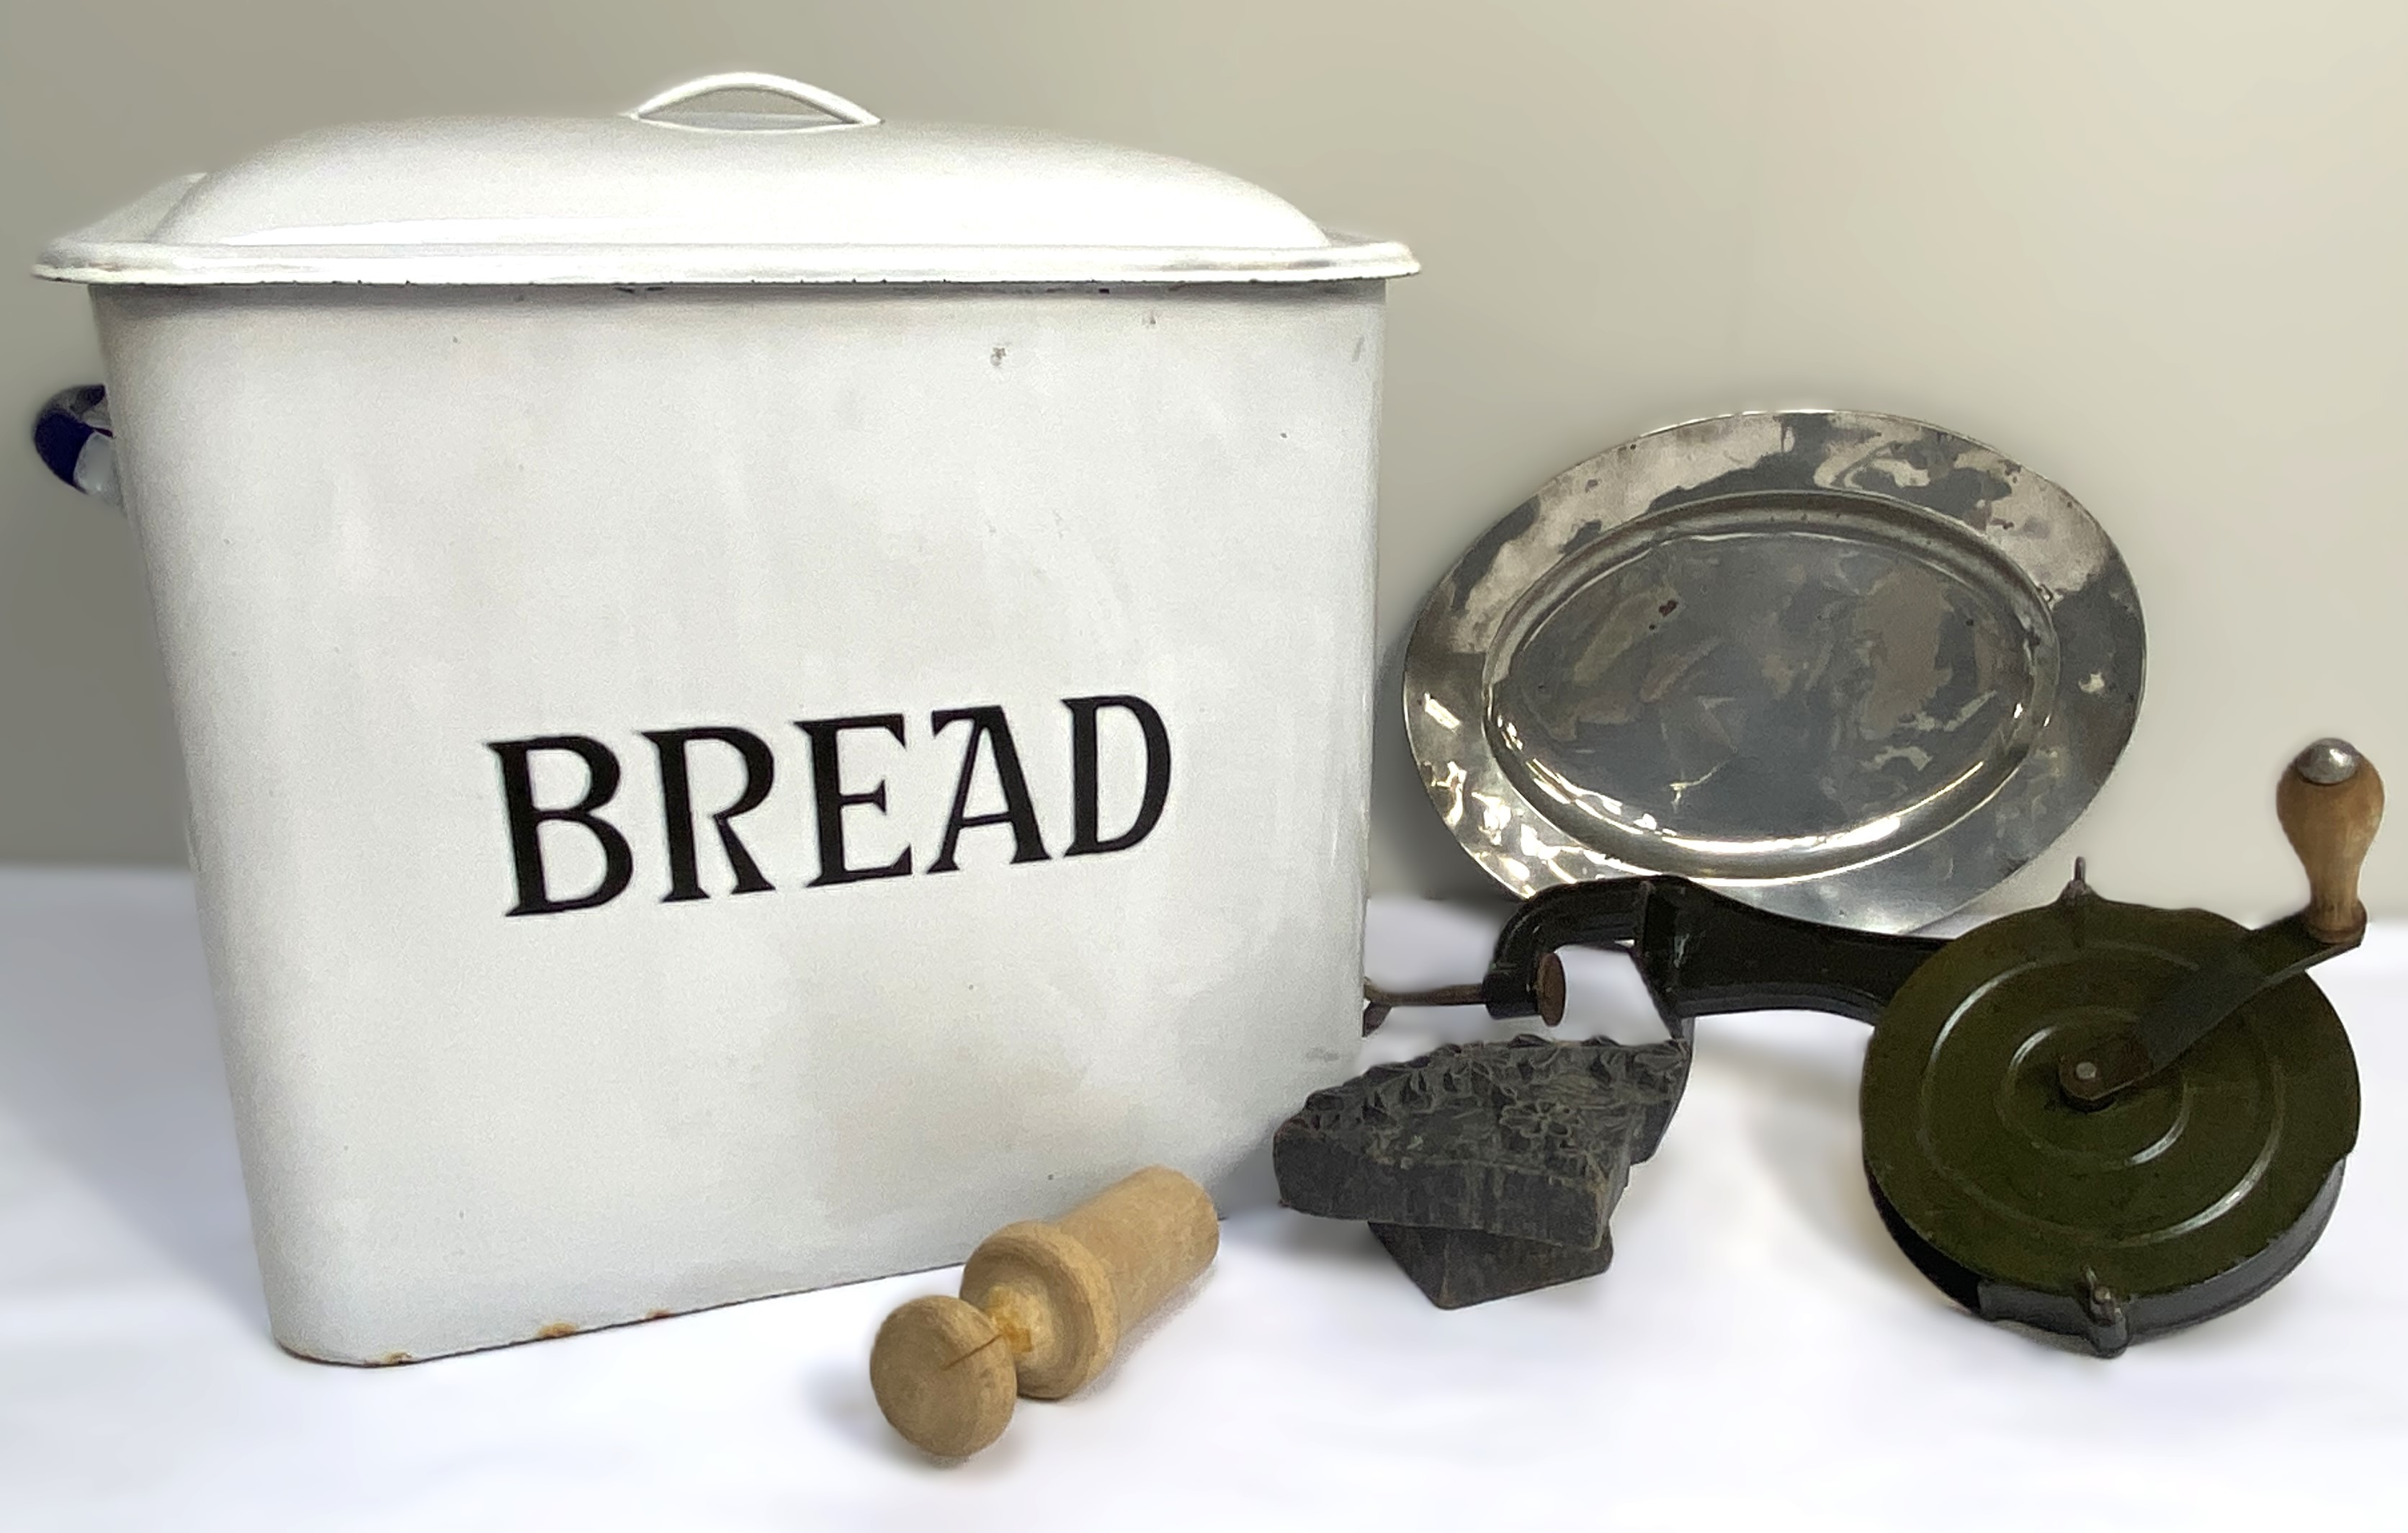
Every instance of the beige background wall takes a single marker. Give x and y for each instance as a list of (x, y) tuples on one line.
[(2160, 251)]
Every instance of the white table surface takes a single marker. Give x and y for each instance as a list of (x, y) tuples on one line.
[(1758, 1357)]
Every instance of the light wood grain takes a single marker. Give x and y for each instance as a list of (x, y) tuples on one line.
[(2331, 826), (1041, 1310)]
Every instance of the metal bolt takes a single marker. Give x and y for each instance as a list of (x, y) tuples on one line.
[(2079, 889), (1546, 990), (2085, 1073), (2327, 761), (1378, 1002)]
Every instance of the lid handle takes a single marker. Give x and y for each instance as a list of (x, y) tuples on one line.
[(745, 79)]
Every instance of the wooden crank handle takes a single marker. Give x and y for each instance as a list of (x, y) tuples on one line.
[(1041, 1310), (2330, 801)]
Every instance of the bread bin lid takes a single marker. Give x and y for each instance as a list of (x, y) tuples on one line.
[(675, 191)]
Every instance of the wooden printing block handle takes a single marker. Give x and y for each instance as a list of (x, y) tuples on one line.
[(1042, 1308), (2329, 803)]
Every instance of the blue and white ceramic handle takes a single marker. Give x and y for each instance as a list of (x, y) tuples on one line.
[(72, 434)]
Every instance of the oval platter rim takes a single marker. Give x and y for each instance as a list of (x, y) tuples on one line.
[(2040, 531)]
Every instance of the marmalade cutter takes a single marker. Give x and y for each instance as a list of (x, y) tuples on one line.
[(2102, 1120)]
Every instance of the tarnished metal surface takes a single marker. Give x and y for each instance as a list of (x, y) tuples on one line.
[(1842, 665), (2327, 761)]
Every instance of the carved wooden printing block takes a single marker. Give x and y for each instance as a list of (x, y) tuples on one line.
[(1485, 1168)]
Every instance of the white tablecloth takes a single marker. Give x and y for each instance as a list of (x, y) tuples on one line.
[(1758, 1357)]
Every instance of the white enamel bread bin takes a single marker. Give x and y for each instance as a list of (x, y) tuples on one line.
[(762, 692)]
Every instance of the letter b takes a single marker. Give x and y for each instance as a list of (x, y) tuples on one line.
[(526, 822)]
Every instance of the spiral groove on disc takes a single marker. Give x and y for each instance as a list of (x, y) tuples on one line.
[(2180, 1199)]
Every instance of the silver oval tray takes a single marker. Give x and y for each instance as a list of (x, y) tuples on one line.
[(1841, 665)]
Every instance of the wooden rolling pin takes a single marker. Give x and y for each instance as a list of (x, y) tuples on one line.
[(1043, 1308)]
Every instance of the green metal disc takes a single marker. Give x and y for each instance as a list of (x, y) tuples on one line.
[(2186, 1195)]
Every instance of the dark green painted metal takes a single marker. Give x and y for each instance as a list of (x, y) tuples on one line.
[(2180, 1199), (2257, 961)]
